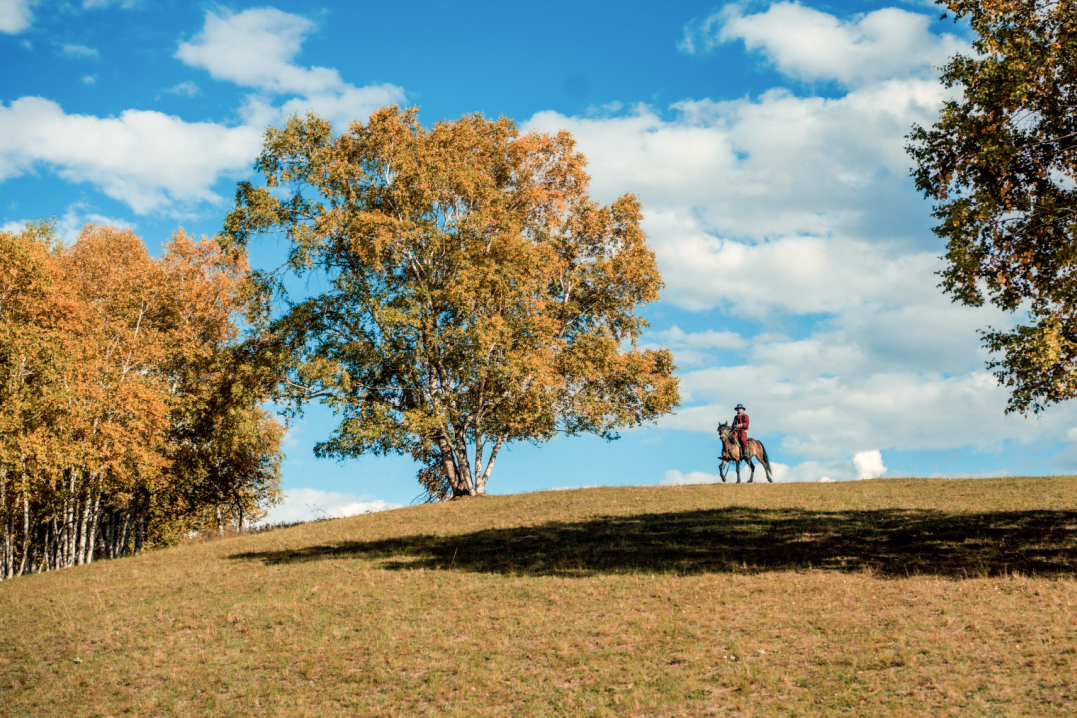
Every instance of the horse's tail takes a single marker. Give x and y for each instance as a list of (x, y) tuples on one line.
[(765, 460)]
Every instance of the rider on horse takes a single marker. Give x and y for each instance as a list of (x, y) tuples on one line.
[(740, 428)]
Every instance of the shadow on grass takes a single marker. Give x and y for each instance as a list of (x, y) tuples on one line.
[(888, 543)]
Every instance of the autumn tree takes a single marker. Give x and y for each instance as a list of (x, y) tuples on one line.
[(1001, 163), (36, 320), (128, 408), (451, 290)]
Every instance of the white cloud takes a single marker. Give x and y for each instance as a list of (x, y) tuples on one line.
[(185, 89), (310, 504), (676, 478), (693, 348), (823, 409), (70, 225), (78, 51), (78, 216), (89, 80), (807, 44), (869, 465), (15, 16), (864, 465), (157, 162), (777, 165), (781, 203), (148, 160), (256, 48), (795, 274)]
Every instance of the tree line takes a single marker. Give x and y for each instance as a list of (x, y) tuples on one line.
[(130, 411)]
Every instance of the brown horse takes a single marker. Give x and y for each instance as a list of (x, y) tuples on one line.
[(731, 452)]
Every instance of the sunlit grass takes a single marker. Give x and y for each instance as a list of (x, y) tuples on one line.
[(899, 597)]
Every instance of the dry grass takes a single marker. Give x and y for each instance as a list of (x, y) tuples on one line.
[(882, 598)]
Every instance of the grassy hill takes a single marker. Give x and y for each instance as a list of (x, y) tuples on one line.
[(883, 598)]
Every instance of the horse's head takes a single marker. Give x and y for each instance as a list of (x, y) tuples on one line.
[(724, 430)]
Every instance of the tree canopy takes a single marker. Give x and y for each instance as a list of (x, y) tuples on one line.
[(128, 413), (459, 290), (1001, 163)]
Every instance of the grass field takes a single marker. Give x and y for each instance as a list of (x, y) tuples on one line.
[(871, 598)]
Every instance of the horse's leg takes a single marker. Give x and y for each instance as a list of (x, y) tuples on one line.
[(721, 469), (738, 471), (761, 454), (751, 466)]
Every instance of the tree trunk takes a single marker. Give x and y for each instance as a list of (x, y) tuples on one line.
[(125, 533), (220, 521), (25, 531), (51, 545), (143, 509), (7, 557), (463, 465), (460, 484), (84, 528), (93, 527), (481, 487)]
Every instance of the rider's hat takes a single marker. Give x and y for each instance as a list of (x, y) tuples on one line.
[(739, 406)]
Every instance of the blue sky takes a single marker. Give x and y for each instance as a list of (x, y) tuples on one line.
[(765, 141)]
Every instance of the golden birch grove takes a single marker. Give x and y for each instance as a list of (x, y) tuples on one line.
[(127, 415)]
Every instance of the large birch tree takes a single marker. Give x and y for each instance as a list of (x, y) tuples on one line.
[(450, 290)]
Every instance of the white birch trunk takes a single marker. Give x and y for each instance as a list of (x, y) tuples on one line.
[(25, 530), (481, 488), (93, 527), (6, 555), (84, 528)]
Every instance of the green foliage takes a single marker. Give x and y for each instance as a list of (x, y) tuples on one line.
[(463, 290), (1001, 162)]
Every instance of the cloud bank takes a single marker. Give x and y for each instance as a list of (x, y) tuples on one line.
[(305, 504), (154, 162), (810, 45)]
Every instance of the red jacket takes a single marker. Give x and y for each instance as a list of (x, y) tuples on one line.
[(740, 423)]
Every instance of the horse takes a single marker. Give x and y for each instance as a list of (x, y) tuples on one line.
[(731, 452)]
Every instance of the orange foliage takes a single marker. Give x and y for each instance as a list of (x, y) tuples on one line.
[(123, 417), (469, 291)]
